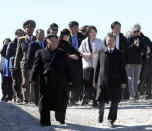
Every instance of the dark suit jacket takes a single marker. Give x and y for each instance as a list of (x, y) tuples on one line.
[(32, 48), (110, 73)]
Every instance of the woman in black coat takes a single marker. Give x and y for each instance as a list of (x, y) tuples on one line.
[(64, 43), (74, 56)]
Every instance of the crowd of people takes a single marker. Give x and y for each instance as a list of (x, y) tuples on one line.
[(54, 71)]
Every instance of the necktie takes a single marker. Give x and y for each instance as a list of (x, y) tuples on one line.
[(75, 42), (41, 44), (30, 39)]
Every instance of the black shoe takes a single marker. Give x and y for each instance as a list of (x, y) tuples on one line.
[(110, 124), (45, 124), (3, 98), (137, 96), (85, 102), (147, 97), (73, 103), (100, 119), (62, 122), (95, 104)]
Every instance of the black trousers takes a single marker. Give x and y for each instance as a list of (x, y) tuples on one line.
[(88, 91), (148, 81), (143, 74), (77, 81), (125, 93), (7, 88), (17, 82), (36, 90), (112, 116), (44, 109)]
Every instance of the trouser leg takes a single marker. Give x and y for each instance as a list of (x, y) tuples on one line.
[(25, 85), (130, 73), (36, 91), (137, 69), (17, 81), (101, 110), (60, 115), (9, 88), (32, 93), (143, 74), (77, 80), (149, 87), (3, 85), (87, 91), (112, 116), (44, 111)]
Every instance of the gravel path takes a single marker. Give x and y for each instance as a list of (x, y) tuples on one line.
[(131, 117)]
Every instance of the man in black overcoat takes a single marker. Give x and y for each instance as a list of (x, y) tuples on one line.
[(110, 78), (121, 44), (51, 65), (34, 46), (77, 74)]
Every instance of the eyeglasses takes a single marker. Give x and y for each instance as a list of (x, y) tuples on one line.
[(55, 29), (136, 31)]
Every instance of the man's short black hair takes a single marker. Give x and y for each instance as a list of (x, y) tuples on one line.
[(73, 23), (115, 23), (53, 25), (19, 31), (51, 36)]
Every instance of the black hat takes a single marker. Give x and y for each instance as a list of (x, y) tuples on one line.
[(29, 23), (50, 36)]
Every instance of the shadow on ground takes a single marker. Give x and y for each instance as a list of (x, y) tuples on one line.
[(13, 118)]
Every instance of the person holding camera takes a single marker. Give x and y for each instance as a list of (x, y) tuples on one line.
[(136, 56)]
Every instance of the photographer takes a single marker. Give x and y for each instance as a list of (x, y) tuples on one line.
[(136, 56)]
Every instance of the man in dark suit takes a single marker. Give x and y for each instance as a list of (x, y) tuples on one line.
[(38, 44), (121, 44), (77, 77), (52, 66), (111, 77)]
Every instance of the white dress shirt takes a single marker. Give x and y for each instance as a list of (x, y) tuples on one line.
[(117, 41)]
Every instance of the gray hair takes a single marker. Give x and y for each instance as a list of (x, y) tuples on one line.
[(136, 27)]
